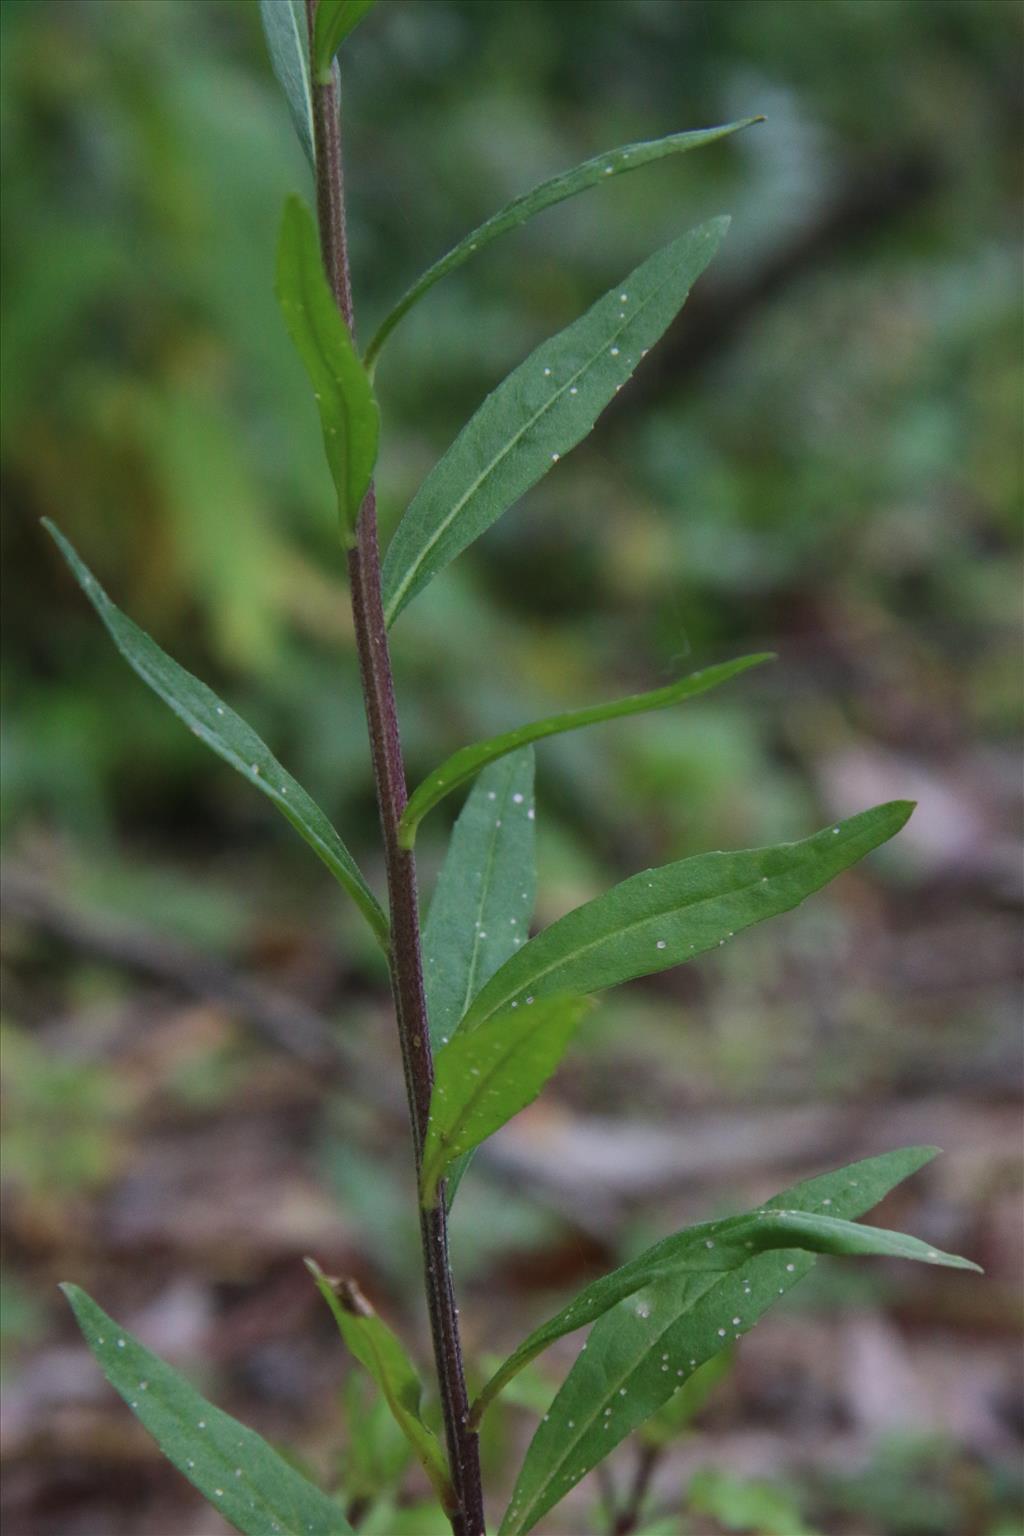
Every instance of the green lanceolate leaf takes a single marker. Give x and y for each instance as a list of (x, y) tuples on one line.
[(646, 1346), (483, 902), (482, 1079), (334, 21), (717, 1247), (348, 412), (248, 1483), (379, 1351), (467, 762), (542, 410), (284, 27), (229, 736), (663, 917), (629, 157)]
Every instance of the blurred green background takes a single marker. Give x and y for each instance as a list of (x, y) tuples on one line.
[(823, 458)]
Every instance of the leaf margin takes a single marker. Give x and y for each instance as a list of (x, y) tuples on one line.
[(468, 761), (364, 1342), (459, 500), (866, 830), (546, 194), (292, 74), (557, 1018), (765, 1230), (334, 20), (91, 1318), (772, 1273), (276, 784), (345, 402)]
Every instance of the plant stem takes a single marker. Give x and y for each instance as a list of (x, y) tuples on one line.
[(467, 1517), (629, 1516)]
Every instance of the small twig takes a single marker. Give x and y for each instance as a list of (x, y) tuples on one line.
[(648, 1457)]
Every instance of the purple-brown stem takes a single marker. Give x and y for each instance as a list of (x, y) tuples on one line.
[(467, 1517)]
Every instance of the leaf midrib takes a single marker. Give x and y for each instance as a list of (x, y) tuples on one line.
[(604, 938), (669, 910), (214, 1451), (307, 95), (485, 884), (489, 469), (217, 743), (446, 1139), (717, 1278), (338, 390), (336, 856), (462, 765)]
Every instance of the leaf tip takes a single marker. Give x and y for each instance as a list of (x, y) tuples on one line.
[(55, 534), (75, 1297), (756, 659)]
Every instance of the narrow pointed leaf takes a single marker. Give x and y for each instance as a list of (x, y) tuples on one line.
[(483, 902), (467, 762), (348, 411), (380, 1352), (543, 409), (599, 169), (646, 1346), (663, 917), (716, 1247), (228, 735), (284, 27), (482, 1079), (334, 21), (242, 1477)]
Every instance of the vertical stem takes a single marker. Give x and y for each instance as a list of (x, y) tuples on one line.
[(467, 1517), (628, 1517)]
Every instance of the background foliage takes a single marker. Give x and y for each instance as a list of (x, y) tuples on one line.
[(823, 459)]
